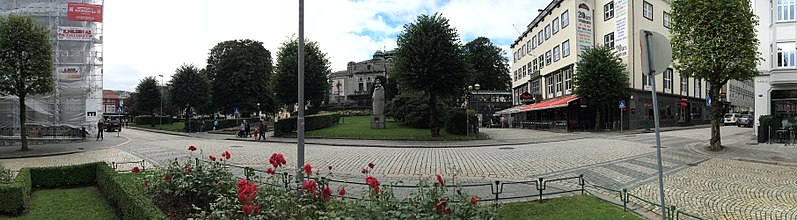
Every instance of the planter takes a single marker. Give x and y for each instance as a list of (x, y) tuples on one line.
[(763, 134)]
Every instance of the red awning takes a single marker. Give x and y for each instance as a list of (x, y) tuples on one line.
[(548, 104)]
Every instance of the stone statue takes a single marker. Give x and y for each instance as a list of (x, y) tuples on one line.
[(378, 113)]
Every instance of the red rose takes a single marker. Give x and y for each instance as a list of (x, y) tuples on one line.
[(242, 182), (310, 185), (136, 170), (440, 180), (342, 192), (440, 206), (371, 181), (226, 155), (270, 171), (308, 169), (371, 165), (188, 171), (364, 170), (247, 210), (330, 167), (246, 191), (256, 210), (277, 160), (212, 158), (473, 200), (447, 211), (326, 193), (191, 148), (167, 177)]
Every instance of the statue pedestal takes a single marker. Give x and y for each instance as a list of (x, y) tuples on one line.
[(377, 121)]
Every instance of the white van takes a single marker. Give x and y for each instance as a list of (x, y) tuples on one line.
[(731, 118)]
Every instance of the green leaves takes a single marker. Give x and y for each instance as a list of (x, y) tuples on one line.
[(490, 68), (600, 76), (316, 73), (189, 86), (26, 66), (148, 95), (239, 71)]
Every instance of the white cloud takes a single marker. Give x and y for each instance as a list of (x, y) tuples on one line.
[(148, 37)]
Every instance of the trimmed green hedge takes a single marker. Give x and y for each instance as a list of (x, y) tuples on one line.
[(456, 121), (71, 175), (126, 195), (15, 197), (147, 119), (223, 123), (311, 122)]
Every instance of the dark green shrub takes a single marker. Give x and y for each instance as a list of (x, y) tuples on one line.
[(770, 120), (15, 196), (126, 193), (147, 119), (311, 122), (223, 123), (81, 174), (413, 109), (455, 123)]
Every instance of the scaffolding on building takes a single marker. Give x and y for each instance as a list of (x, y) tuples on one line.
[(76, 102)]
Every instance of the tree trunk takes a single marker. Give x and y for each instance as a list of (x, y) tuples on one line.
[(597, 117), (433, 124), (23, 129), (716, 115)]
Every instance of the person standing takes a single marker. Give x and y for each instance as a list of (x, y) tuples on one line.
[(247, 129), (215, 124), (262, 129), (100, 127)]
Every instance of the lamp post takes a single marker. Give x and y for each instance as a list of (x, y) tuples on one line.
[(469, 94), (478, 115), (258, 110), (160, 117)]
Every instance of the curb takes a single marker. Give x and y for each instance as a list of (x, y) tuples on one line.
[(691, 148), (411, 146), (42, 155), (159, 131)]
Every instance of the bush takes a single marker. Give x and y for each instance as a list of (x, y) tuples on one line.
[(81, 174), (16, 195), (126, 193), (456, 121), (223, 123), (148, 119), (311, 122), (413, 109), (5, 174), (189, 188), (770, 120)]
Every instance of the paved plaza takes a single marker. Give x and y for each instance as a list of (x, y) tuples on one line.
[(712, 185)]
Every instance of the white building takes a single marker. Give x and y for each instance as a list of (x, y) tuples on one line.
[(776, 88)]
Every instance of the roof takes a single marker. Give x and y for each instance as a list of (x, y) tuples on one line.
[(549, 104), (537, 19), (109, 94), (491, 92)]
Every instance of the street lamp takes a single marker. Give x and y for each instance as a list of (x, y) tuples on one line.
[(478, 115), (469, 94), (258, 109), (160, 117)]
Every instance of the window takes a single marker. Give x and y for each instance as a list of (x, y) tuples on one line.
[(549, 81), (515, 75), (668, 80), (666, 19), (556, 53), (528, 65), (697, 88), (785, 10), (542, 64), (566, 48), (608, 11), (684, 86), (539, 38), (555, 24), (547, 31), (559, 82), (568, 80), (535, 87), (514, 57), (645, 81), (565, 19), (548, 58), (608, 40), (785, 54), (535, 65), (647, 10), (523, 72), (533, 42), (528, 47)]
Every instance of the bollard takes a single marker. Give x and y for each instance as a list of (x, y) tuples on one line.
[(498, 190), (581, 183), (624, 198)]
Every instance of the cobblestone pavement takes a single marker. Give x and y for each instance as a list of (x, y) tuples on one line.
[(108, 155), (729, 189)]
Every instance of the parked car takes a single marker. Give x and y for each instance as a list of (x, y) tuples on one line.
[(745, 120), (113, 123), (731, 118)]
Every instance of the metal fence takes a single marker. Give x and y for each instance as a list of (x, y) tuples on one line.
[(631, 202)]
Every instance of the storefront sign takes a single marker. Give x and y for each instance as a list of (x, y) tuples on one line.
[(584, 30), (621, 26), (69, 72), (75, 33), (77, 11)]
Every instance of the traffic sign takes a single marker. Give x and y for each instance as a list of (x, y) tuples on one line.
[(708, 101), (660, 52), (622, 104), (237, 110)]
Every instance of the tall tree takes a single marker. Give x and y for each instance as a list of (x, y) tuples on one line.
[(148, 96), (431, 59), (239, 71), (316, 73), (490, 67), (600, 78), (26, 66), (190, 87), (130, 104), (715, 41)]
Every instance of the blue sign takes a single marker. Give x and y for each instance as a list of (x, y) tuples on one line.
[(120, 109), (237, 110), (622, 104), (708, 101)]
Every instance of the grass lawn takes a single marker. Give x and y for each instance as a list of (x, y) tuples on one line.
[(74, 203), (569, 207), (359, 127), (176, 126)]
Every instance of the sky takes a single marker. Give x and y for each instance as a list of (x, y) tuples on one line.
[(150, 38)]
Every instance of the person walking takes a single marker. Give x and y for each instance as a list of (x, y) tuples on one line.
[(242, 129), (100, 127), (248, 130), (262, 129), (215, 124)]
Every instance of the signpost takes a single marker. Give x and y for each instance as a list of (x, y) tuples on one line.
[(622, 106), (656, 57)]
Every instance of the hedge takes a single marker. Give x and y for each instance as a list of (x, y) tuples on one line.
[(456, 122), (148, 119), (71, 175), (127, 196), (311, 122), (16, 196), (223, 123)]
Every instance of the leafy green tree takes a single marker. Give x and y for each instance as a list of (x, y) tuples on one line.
[(148, 96), (316, 74), (239, 71), (130, 105), (26, 66), (490, 67), (715, 41), (600, 78), (190, 87), (431, 59)]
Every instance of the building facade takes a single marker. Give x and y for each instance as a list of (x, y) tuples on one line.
[(776, 88), (352, 88), (545, 57)]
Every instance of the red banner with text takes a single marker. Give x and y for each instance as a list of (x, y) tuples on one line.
[(77, 11)]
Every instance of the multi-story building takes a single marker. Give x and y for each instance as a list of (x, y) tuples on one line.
[(776, 88), (545, 58), (351, 88), (110, 102)]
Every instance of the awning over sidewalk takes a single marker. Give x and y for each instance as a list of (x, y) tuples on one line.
[(512, 110), (549, 104)]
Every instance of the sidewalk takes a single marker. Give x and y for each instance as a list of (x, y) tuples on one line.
[(746, 148), (110, 140)]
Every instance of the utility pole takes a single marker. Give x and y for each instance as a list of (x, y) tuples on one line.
[(300, 118)]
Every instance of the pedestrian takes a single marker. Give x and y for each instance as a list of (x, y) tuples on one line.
[(242, 129), (215, 124), (100, 127), (247, 129), (202, 127), (263, 128)]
